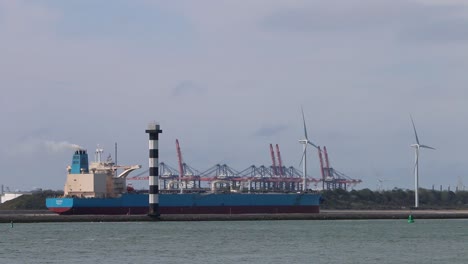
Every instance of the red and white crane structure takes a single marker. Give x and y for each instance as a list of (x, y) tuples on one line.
[(181, 166), (331, 178), (322, 168), (280, 161), (272, 153)]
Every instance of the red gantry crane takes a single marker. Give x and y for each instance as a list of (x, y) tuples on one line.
[(280, 161), (331, 178), (221, 177), (322, 169), (181, 167), (275, 171)]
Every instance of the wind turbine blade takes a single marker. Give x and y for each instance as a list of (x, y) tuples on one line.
[(312, 144), (424, 146), (303, 154), (414, 127), (303, 119)]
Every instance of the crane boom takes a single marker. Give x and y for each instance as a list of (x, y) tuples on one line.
[(273, 160), (280, 162), (181, 168), (321, 163), (327, 163)]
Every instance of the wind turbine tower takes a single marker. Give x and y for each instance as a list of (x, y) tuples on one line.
[(305, 143), (416, 147)]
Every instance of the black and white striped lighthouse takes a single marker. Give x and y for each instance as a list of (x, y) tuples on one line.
[(153, 131)]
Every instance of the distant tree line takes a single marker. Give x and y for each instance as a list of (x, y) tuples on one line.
[(393, 199)]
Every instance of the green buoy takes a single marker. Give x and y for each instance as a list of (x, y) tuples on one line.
[(410, 219)]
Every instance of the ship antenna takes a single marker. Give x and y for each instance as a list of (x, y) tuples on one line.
[(115, 157), (98, 154)]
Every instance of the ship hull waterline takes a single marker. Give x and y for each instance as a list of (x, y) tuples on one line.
[(189, 204), (189, 210)]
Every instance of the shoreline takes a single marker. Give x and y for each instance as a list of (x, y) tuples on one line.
[(38, 216)]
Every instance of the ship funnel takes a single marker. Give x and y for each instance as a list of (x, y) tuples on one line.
[(80, 162)]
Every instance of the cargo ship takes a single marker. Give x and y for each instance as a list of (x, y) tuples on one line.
[(97, 188)]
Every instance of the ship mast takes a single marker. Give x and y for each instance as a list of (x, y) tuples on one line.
[(115, 162)]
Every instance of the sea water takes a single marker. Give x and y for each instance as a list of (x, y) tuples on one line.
[(313, 241)]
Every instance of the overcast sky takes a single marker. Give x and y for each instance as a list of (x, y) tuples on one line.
[(227, 78)]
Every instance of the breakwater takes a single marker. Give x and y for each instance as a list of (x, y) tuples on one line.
[(44, 216)]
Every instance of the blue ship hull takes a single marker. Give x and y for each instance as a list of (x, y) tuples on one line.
[(199, 203)]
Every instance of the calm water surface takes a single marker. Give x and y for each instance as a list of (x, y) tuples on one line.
[(361, 241)]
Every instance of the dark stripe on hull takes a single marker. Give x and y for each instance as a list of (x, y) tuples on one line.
[(304, 209)]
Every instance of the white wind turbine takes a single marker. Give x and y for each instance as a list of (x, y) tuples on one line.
[(380, 185), (416, 147), (305, 142)]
